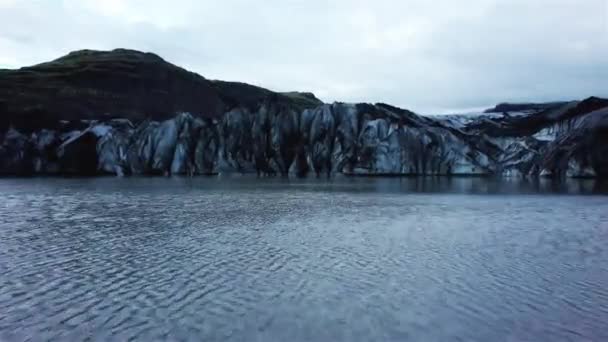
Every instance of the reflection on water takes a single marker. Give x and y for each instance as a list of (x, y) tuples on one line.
[(347, 259), (463, 185)]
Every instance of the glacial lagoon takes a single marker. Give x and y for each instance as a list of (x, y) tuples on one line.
[(274, 259)]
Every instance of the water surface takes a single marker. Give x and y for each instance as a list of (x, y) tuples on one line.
[(349, 259)]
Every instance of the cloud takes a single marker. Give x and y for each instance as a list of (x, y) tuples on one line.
[(426, 56)]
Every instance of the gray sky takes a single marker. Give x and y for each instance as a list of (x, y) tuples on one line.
[(428, 56)]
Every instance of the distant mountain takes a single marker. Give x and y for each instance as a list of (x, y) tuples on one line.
[(522, 107), (126, 112), (120, 84)]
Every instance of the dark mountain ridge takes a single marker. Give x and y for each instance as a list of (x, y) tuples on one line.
[(87, 84), (519, 107)]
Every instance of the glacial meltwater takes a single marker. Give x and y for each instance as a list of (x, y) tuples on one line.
[(273, 259)]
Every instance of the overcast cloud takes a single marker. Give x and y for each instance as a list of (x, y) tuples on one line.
[(428, 56)]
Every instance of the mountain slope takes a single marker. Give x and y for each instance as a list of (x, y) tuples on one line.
[(116, 84)]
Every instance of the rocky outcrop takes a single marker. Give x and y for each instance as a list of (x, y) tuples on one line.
[(129, 113)]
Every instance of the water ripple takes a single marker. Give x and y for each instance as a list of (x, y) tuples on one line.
[(158, 259)]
